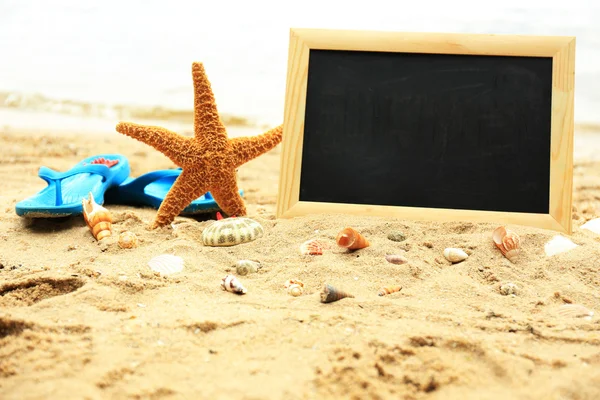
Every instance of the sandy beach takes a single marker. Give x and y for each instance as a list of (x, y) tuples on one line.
[(82, 319)]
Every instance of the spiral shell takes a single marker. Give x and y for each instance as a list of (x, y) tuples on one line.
[(128, 240), (295, 290), (311, 247), (231, 284), (455, 255), (166, 264), (97, 218), (388, 290), (232, 231), (507, 241), (245, 267), (329, 294), (351, 239), (396, 259)]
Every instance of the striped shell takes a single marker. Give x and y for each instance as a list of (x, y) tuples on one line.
[(507, 241), (396, 259), (97, 218), (231, 284), (388, 290), (574, 311), (311, 248), (231, 231), (166, 264)]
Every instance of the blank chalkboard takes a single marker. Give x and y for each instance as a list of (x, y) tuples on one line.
[(428, 130)]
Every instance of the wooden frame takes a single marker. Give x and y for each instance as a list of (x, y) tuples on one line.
[(560, 48)]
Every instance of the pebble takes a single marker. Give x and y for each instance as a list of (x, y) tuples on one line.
[(396, 236)]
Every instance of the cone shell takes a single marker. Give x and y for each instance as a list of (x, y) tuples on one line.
[(312, 248), (295, 290), (245, 267), (507, 241), (388, 290), (231, 284), (128, 240), (351, 239), (232, 231), (455, 255), (329, 294), (97, 218), (396, 259)]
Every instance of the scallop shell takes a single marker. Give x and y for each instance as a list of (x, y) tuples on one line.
[(232, 231), (558, 244), (388, 290), (396, 259), (592, 225), (245, 267), (295, 290), (166, 264), (97, 218), (311, 247), (507, 241), (455, 255), (128, 240), (329, 294), (574, 311), (231, 284), (351, 239)]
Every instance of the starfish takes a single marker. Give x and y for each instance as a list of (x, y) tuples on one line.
[(208, 160)]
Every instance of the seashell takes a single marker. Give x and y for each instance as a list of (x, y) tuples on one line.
[(592, 225), (245, 267), (290, 282), (351, 239), (396, 259), (311, 247), (455, 255), (558, 244), (396, 236), (128, 240), (231, 231), (574, 311), (97, 218), (388, 290), (507, 241), (329, 294), (509, 288), (166, 264), (231, 284), (295, 290)]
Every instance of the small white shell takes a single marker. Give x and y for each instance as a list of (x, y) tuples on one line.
[(455, 255), (396, 259), (575, 311), (592, 225), (295, 290), (231, 284), (558, 244), (166, 264)]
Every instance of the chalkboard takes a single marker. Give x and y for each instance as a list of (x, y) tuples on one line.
[(426, 126)]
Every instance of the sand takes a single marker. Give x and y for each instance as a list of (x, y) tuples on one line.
[(81, 319)]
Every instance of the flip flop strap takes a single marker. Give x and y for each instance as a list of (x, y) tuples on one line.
[(54, 177), (138, 184)]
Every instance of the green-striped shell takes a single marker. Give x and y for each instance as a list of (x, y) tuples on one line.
[(231, 231)]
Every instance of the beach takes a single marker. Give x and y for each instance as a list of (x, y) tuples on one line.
[(86, 319)]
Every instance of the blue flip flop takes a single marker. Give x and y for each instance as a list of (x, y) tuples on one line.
[(62, 197), (151, 189)]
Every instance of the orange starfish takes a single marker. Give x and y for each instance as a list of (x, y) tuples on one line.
[(209, 159)]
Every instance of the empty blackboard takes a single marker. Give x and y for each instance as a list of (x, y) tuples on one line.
[(429, 126)]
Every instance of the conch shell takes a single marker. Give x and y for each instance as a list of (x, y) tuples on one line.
[(97, 218), (232, 284), (507, 241), (329, 294), (351, 239), (388, 290)]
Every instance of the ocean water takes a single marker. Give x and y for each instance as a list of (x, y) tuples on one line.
[(140, 52)]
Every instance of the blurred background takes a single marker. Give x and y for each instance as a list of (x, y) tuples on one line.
[(71, 65)]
